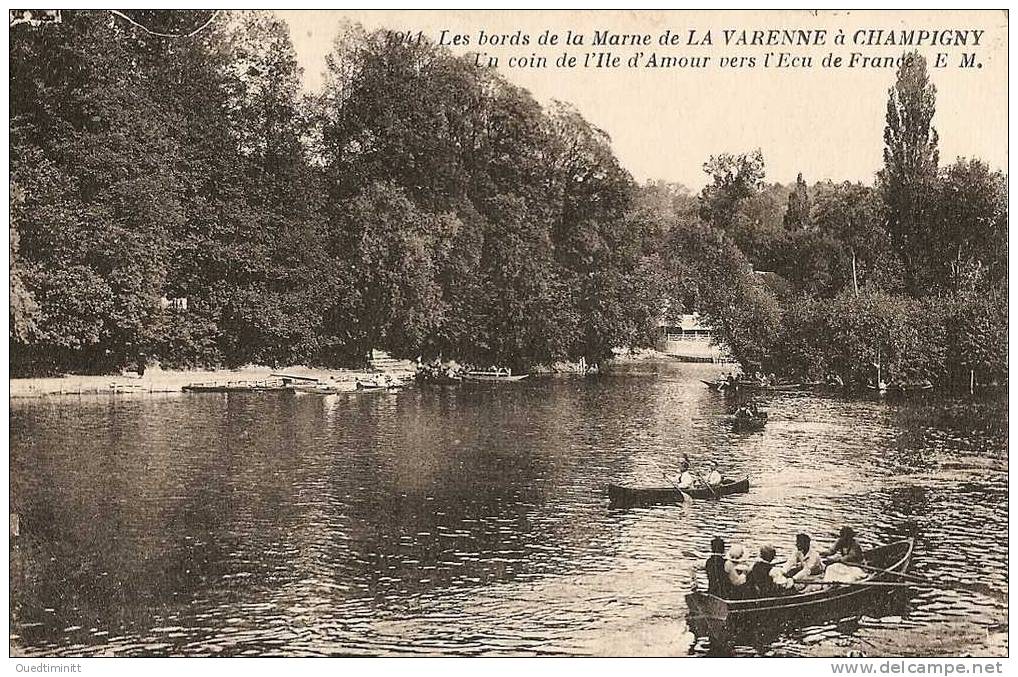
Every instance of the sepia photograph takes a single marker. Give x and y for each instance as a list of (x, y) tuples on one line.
[(508, 333)]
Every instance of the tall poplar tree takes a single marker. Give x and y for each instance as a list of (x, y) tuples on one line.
[(797, 214), (909, 177)]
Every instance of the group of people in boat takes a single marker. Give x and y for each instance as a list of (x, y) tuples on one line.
[(436, 370), (750, 410), (730, 575), (439, 372), (731, 381)]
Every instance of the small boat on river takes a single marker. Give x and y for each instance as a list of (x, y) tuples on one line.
[(620, 496), (747, 423), (912, 386), (267, 385), (493, 376), (439, 379), (719, 386), (317, 389), (378, 387), (726, 620), (776, 387)]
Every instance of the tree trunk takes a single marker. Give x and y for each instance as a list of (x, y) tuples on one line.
[(855, 279)]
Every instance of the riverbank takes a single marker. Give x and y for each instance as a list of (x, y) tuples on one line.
[(171, 381)]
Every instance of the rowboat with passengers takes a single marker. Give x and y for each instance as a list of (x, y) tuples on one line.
[(724, 621), (621, 496)]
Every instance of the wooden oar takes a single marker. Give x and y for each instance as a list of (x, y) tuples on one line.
[(685, 497), (977, 588), (873, 584), (713, 491)]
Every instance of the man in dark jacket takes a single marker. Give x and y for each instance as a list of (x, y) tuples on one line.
[(763, 579), (717, 578)]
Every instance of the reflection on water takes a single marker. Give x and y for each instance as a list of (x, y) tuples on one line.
[(467, 520)]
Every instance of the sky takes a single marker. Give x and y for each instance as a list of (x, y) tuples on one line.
[(665, 122)]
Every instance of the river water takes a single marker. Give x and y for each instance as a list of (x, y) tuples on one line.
[(472, 520)]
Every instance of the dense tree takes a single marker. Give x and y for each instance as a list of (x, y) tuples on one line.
[(162, 167), (854, 336), (977, 336), (968, 244), (23, 311), (852, 215), (757, 225), (95, 158), (711, 276), (734, 178), (542, 236), (661, 205)]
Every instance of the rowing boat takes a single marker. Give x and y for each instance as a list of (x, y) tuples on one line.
[(491, 376), (777, 387), (620, 496), (267, 385), (369, 387), (725, 620), (742, 424), (317, 389), (438, 379), (912, 386)]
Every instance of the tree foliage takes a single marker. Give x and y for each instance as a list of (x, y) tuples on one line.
[(426, 206)]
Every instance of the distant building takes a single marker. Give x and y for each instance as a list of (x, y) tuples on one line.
[(690, 339)]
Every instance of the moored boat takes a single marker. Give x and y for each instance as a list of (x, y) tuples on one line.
[(317, 389), (493, 376), (621, 496), (371, 386), (724, 621), (267, 385), (912, 386), (776, 387), (439, 379)]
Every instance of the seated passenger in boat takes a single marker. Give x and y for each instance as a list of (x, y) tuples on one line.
[(841, 556), (805, 562), (736, 567), (765, 579), (714, 475), (717, 578)]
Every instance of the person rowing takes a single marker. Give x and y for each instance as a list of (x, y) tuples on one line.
[(845, 552), (686, 478)]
